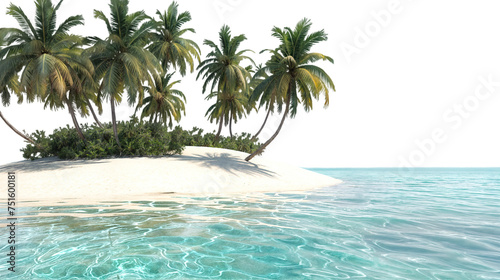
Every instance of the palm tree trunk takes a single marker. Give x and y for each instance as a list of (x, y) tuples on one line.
[(221, 120), (73, 117), (230, 128), (17, 131), (93, 112), (265, 120), (113, 120), (261, 148), (156, 117)]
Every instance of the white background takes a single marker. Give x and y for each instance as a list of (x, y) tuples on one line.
[(404, 73)]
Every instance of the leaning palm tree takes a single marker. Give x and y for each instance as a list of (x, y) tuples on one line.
[(121, 61), (169, 45), (222, 68), (164, 102), (48, 58), (292, 79)]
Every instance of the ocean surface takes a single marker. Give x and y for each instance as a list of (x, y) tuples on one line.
[(378, 224)]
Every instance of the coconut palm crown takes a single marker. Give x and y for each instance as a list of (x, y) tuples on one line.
[(164, 102), (47, 58), (221, 67), (168, 43)]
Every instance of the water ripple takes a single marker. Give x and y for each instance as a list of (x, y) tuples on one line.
[(379, 224)]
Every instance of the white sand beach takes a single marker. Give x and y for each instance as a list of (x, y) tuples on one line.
[(198, 171)]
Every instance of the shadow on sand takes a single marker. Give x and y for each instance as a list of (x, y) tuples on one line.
[(44, 164), (227, 162)]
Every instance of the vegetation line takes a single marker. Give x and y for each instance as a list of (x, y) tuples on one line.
[(138, 138)]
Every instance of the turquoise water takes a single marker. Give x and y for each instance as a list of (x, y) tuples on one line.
[(378, 224)]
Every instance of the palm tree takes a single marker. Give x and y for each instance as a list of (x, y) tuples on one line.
[(228, 107), (291, 78), (222, 68), (164, 102), (168, 44), (48, 58), (121, 61)]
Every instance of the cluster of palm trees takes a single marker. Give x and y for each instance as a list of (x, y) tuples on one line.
[(44, 62)]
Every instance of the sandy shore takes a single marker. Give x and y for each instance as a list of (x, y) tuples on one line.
[(198, 171)]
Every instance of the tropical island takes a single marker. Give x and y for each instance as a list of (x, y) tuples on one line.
[(150, 181), (42, 61)]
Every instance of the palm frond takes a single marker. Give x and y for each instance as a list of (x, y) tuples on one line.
[(22, 20)]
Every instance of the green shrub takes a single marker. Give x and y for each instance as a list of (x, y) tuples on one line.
[(41, 150), (137, 138)]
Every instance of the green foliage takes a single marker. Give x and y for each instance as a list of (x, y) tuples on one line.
[(169, 44), (122, 62), (164, 102), (137, 138), (288, 76), (44, 56), (42, 150), (195, 137), (229, 79)]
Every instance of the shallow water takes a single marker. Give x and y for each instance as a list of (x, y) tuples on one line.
[(378, 224)]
